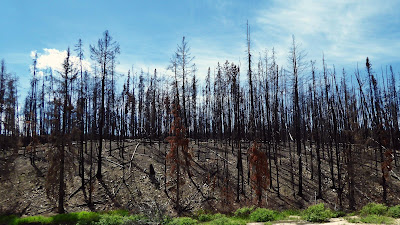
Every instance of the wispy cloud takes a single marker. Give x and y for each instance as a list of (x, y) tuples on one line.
[(347, 31)]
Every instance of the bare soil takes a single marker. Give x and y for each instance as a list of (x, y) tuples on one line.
[(128, 184)]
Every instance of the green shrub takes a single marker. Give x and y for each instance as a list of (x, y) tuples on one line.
[(244, 212), (70, 218), (227, 221), (394, 211), (337, 214), (205, 217), (166, 220), (373, 209), (263, 215), (217, 216), (317, 213), (183, 221), (377, 219)]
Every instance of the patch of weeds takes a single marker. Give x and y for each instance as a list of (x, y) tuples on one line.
[(85, 218), (218, 215), (317, 213), (35, 219), (208, 217), (107, 219), (117, 217), (137, 217), (352, 214), (244, 212), (120, 212), (227, 221), (183, 221), (394, 211), (373, 209), (263, 215), (352, 219), (376, 219), (284, 215)]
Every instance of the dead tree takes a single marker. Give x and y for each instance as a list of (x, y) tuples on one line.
[(103, 54)]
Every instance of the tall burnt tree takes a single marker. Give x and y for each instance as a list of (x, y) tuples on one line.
[(61, 136), (252, 127), (295, 58), (2, 93), (184, 61), (81, 104), (104, 54)]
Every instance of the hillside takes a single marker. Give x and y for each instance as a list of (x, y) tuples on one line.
[(129, 184)]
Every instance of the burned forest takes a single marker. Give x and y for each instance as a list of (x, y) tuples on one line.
[(175, 140)]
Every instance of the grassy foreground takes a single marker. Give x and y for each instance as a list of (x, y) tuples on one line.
[(371, 213)]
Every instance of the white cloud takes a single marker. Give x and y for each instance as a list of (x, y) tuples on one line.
[(53, 58), (347, 31)]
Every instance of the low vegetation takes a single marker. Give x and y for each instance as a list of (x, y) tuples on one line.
[(80, 218), (317, 213), (394, 211), (371, 213), (263, 215), (374, 209), (376, 214)]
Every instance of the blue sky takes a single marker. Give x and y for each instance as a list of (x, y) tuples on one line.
[(346, 31)]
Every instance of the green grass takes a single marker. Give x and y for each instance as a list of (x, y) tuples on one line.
[(87, 217), (377, 214), (376, 219), (352, 219), (78, 218), (34, 219), (183, 221), (371, 213), (285, 214), (119, 212), (228, 221)]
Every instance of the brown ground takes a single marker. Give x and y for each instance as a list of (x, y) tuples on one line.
[(22, 187)]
